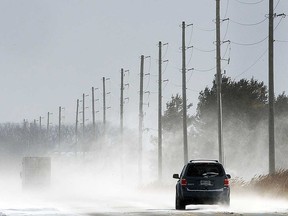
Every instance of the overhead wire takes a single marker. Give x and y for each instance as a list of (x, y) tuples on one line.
[(281, 41), (203, 29), (248, 24), (193, 90), (276, 5), (166, 66), (203, 50), (190, 56), (249, 3), (226, 11), (258, 42), (166, 50), (227, 27), (191, 35), (148, 83), (252, 65), (148, 74), (205, 70), (228, 47), (249, 44), (192, 72), (212, 50), (166, 83)]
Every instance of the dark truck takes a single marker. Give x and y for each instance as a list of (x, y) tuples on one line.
[(202, 182)]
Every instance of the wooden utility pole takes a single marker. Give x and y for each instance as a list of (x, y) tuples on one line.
[(160, 113), (93, 112), (48, 121), (121, 102), (104, 102), (121, 121), (184, 114), (83, 116), (76, 127), (271, 90), (40, 123), (219, 82), (59, 126), (140, 119)]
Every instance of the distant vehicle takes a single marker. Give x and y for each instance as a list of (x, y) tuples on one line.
[(36, 173), (202, 182)]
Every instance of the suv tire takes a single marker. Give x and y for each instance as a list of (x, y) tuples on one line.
[(179, 204), (226, 202)]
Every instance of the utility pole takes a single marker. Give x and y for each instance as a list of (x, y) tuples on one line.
[(25, 123), (160, 113), (48, 123), (185, 140), (83, 116), (93, 112), (104, 102), (76, 126), (121, 103), (59, 126), (219, 82), (140, 119), (40, 122), (121, 119), (271, 90)]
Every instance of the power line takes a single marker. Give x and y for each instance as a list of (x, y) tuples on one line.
[(276, 5), (203, 50), (148, 83), (227, 27), (203, 29), (205, 70), (281, 41), (249, 3), (227, 48), (166, 50), (191, 35), (250, 44), (226, 11), (190, 76), (193, 90), (256, 61), (166, 65), (190, 56), (248, 24), (258, 42)]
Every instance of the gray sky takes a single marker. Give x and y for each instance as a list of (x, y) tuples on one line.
[(53, 51)]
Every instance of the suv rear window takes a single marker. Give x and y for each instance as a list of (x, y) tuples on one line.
[(202, 169)]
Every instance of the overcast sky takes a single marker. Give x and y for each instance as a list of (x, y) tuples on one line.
[(53, 51)]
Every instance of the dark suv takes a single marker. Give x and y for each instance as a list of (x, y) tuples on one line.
[(202, 182)]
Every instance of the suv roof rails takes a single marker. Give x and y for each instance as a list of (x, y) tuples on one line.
[(204, 160)]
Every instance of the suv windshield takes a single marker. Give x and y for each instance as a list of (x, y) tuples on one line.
[(204, 169)]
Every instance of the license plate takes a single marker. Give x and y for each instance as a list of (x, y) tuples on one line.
[(206, 183)]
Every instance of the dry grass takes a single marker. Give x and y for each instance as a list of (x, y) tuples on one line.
[(264, 185)]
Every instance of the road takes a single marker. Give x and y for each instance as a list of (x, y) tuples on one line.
[(69, 198), (152, 204)]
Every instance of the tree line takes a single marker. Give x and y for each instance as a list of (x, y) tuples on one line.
[(245, 129), (245, 125)]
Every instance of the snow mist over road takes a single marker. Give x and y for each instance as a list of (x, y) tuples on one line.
[(79, 188)]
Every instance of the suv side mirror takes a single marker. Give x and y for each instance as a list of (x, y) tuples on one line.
[(228, 176), (176, 176)]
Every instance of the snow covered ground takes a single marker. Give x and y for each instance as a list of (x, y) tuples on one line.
[(129, 203), (76, 194)]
